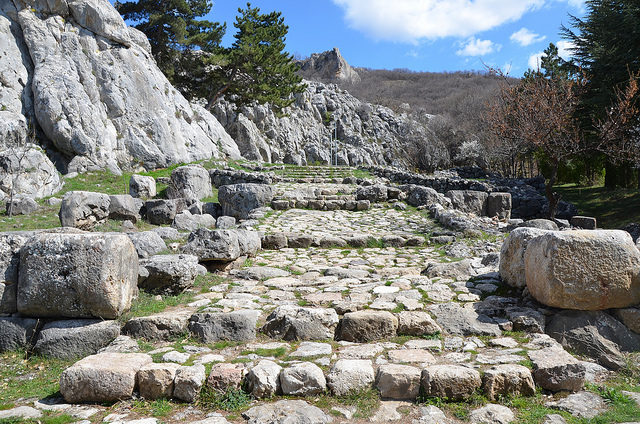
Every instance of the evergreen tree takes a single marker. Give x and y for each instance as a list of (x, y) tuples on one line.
[(607, 50), (256, 67), (180, 39)]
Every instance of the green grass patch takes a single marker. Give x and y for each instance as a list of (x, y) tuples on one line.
[(232, 400), (366, 402), (22, 378), (158, 408), (612, 208), (149, 304)]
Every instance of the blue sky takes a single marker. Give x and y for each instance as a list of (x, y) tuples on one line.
[(421, 35)]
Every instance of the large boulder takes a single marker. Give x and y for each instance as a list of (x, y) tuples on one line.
[(190, 182), (222, 245), (147, 243), (584, 270), (77, 275), (512, 255), (594, 334), (105, 377), (374, 194), (508, 380), (124, 207), (170, 274), (400, 382), (499, 205), (469, 201), (84, 209), (141, 186), (163, 211), (290, 322), (238, 200), (71, 339), (28, 170), (263, 380), (423, 196), (155, 381)]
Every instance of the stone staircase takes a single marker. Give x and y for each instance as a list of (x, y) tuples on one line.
[(315, 173)]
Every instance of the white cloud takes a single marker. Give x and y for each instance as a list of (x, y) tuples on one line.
[(414, 20), (476, 47), (535, 60), (525, 37), (564, 51), (577, 4)]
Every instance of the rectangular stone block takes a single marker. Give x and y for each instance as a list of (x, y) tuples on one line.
[(81, 275)]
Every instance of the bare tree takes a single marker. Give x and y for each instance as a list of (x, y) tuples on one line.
[(536, 115), (620, 131)]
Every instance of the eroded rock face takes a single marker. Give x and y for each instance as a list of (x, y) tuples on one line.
[(77, 275), (95, 91), (28, 170), (584, 270)]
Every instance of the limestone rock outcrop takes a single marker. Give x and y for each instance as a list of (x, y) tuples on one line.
[(300, 134), (89, 87)]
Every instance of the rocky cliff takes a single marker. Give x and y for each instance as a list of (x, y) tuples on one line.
[(88, 87), (328, 66), (301, 134)]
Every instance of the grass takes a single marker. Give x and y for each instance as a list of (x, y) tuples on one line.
[(232, 400), (47, 418), (366, 402), (612, 208), (158, 408), (35, 377), (147, 304)]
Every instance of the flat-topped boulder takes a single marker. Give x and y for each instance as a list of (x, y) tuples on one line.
[(190, 182), (555, 369), (469, 201), (83, 275), (453, 382), (84, 209), (170, 274), (238, 200), (290, 322), (222, 245), (368, 325), (584, 270), (105, 377)]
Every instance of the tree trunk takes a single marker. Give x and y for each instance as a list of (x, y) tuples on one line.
[(552, 198)]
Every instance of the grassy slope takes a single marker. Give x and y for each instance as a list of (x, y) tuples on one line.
[(612, 208)]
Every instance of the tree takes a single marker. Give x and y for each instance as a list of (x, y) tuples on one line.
[(537, 116), (620, 131), (607, 48), (256, 67), (178, 36)]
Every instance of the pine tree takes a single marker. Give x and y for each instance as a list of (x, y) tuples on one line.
[(180, 39), (256, 67)]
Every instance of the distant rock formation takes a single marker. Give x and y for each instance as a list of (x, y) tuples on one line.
[(88, 86), (329, 66), (301, 134)]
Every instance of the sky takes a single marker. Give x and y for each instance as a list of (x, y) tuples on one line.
[(420, 35)]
